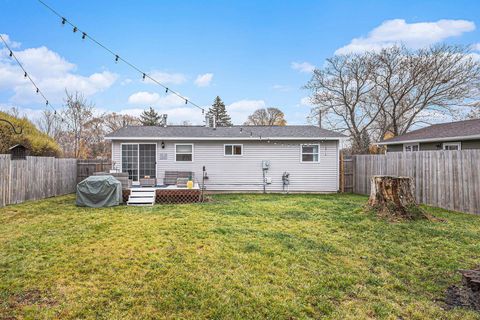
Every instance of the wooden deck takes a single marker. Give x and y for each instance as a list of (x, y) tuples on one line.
[(172, 194)]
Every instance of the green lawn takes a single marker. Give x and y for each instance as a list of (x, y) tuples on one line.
[(238, 257)]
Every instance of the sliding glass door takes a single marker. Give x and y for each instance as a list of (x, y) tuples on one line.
[(139, 160)]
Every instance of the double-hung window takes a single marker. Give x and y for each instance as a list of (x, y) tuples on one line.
[(184, 152), (410, 147), (452, 146), (310, 152), (233, 149)]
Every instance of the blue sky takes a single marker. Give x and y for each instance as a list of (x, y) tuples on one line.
[(250, 53)]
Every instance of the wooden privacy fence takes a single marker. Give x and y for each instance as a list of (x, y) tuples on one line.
[(446, 179), (86, 168), (35, 178)]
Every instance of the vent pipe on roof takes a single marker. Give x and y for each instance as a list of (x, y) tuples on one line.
[(207, 121)]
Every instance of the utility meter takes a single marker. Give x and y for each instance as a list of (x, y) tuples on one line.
[(265, 164)]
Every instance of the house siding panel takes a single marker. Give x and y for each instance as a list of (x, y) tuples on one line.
[(432, 146), (244, 173)]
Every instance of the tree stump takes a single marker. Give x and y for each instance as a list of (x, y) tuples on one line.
[(394, 197)]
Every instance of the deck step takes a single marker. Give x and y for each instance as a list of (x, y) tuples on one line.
[(142, 194)]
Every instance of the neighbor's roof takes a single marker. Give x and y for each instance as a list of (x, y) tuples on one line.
[(460, 130), (229, 133)]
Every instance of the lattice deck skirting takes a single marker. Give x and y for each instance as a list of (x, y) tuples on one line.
[(172, 196)]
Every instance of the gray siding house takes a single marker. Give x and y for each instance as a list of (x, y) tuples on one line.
[(460, 135), (232, 156)]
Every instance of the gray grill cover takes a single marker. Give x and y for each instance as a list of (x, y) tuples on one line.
[(99, 191)]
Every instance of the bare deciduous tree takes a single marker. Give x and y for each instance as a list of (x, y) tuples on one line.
[(267, 117), (373, 94), (341, 93), (115, 121), (50, 124), (77, 114), (413, 85)]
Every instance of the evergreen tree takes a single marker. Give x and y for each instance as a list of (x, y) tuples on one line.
[(150, 118), (219, 111)]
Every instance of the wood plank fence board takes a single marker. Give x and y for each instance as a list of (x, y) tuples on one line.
[(446, 179), (35, 178)]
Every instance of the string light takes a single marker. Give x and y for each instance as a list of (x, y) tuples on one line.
[(144, 75), (27, 76)]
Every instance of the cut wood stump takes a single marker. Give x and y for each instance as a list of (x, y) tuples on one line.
[(394, 197)]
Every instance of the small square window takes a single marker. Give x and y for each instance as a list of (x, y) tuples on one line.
[(233, 149), (184, 152), (310, 153)]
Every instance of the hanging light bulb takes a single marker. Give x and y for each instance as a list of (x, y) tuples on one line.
[(38, 90), (46, 102), (55, 113), (144, 75), (186, 101), (203, 111), (75, 29), (11, 53), (116, 58), (166, 90), (64, 21), (84, 35), (25, 75)]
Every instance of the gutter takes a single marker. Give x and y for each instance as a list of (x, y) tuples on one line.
[(387, 142), (225, 138)]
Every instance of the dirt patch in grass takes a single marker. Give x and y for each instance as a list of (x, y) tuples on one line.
[(29, 298)]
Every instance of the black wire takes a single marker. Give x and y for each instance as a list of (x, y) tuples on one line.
[(119, 57), (27, 75)]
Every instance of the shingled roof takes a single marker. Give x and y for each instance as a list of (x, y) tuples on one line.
[(234, 132), (460, 130)]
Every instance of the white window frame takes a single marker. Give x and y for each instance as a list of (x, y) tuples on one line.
[(458, 144), (183, 144), (411, 145), (138, 157), (307, 145), (232, 145)]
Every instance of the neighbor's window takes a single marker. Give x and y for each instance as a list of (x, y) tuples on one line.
[(410, 147), (184, 152), (233, 149), (452, 146), (310, 152)]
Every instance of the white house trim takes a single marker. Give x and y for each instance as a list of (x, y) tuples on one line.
[(473, 137), (224, 138)]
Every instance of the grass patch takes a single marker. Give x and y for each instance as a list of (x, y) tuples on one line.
[(237, 257)]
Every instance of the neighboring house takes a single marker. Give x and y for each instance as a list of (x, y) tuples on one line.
[(460, 135), (232, 156)]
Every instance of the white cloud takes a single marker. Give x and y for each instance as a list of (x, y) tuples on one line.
[(281, 87), (144, 98), (203, 80), (304, 67), (11, 44), (126, 82), (52, 74), (413, 35), (476, 46), (166, 78), (240, 110), (306, 101)]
